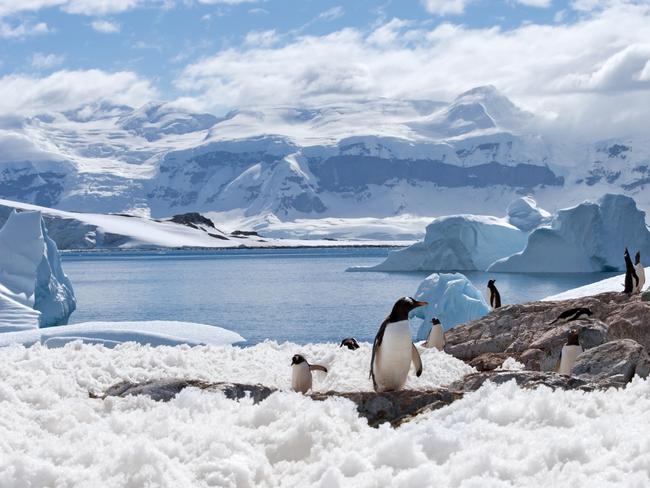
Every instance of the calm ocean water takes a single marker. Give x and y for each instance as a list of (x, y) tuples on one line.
[(300, 295)]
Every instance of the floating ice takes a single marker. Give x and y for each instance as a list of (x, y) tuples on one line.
[(452, 299), (31, 273), (589, 237)]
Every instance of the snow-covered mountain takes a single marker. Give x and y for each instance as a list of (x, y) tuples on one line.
[(370, 158)]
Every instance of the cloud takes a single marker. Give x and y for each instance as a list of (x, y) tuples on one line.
[(64, 90), (105, 26), (332, 13), (46, 61), (564, 71), (445, 7), (536, 3), (85, 7), (19, 31), (261, 38), (227, 2)]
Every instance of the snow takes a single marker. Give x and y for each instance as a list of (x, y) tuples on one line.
[(93, 230), (155, 333), (615, 283), (451, 298), (457, 242), (31, 273), (53, 434), (526, 215), (590, 237)]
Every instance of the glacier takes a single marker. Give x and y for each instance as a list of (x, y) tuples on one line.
[(451, 298), (31, 273), (589, 237)]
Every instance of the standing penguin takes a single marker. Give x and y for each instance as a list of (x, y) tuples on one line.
[(571, 350), (495, 296), (301, 373), (393, 349), (436, 337), (631, 278), (640, 272)]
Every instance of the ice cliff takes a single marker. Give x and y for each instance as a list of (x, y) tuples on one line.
[(31, 277), (589, 237)]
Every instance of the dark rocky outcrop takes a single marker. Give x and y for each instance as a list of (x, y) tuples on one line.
[(617, 361), (526, 332)]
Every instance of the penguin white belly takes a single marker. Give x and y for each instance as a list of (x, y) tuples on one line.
[(569, 355), (436, 337), (640, 272), (393, 359), (301, 377)]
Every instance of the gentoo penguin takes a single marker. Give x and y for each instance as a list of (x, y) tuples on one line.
[(631, 278), (436, 337), (351, 343), (393, 350), (301, 373), (640, 272), (571, 350), (573, 314), (495, 296)]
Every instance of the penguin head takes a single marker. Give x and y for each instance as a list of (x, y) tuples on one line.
[(491, 283), (435, 321), (626, 253), (574, 338), (297, 359), (637, 258), (403, 307), (350, 342)]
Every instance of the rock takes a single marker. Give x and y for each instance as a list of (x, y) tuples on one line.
[(526, 379), (488, 361), (617, 361), (645, 296), (526, 330)]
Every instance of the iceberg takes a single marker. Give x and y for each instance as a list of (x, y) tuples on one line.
[(457, 243), (589, 237), (452, 299), (524, 214), (31, 276)]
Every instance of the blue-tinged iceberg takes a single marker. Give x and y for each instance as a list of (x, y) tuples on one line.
[(31, 277), (457, 243), (589, 237), (452, 299)]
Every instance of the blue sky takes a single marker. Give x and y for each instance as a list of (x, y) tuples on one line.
[(571, 59)]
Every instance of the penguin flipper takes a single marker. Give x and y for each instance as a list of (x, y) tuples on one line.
[(375, 349), (317, 367), (417, 361)]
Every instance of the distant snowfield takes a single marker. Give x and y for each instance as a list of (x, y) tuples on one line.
[(53, 434), (145, 232), (615, 283)]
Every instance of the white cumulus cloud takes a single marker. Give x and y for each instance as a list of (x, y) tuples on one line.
[(105, 26), (445, 7), (46, 61)]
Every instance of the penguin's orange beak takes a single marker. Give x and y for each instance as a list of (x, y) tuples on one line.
[(420, 304)]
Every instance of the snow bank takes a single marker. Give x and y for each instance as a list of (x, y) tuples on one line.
[(53, 434), (524, 214), (452, 299), (615, 283), (30, 270), (110, 334), (457, 242), (589, 237)]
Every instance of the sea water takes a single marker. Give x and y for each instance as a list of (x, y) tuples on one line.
[(299, 295)]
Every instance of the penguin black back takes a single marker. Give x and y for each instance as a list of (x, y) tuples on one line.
[(351, 343), (631, 278), (637, 258), (574, 314), (495, 296)]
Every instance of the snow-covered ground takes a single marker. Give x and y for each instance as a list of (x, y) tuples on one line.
[(138, 232), (53, 434), (615, 283)]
